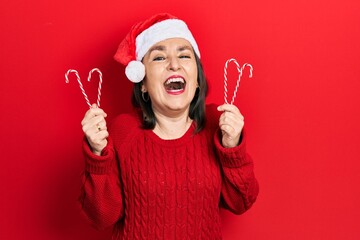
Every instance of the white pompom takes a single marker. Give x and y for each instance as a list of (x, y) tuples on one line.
[(135, 71)]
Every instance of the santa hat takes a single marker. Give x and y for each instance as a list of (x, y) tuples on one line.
[(143, 36)]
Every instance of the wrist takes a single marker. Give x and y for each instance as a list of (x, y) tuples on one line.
[(98, 153)]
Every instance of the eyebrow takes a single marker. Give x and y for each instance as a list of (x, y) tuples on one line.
[(185, 47), (157, 47), (163, 48)]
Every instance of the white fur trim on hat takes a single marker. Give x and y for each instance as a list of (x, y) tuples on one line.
[(135, 71), (170, 28)]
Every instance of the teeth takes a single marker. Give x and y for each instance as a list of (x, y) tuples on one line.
[(172, 80)]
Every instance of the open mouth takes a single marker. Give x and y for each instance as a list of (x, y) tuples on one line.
[(175, 85)]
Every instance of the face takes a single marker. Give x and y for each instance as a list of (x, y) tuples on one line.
[(171, 75)]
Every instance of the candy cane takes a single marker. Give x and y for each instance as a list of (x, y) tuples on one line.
[(81, 86), (100, 82), (238, 80)]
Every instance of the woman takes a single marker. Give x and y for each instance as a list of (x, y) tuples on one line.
[(164, 172)]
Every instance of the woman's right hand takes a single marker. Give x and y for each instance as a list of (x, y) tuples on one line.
[(94, 127)]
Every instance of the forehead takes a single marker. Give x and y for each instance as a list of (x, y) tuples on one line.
[(180, 44)]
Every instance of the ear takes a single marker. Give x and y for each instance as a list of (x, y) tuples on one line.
[(143, 88)]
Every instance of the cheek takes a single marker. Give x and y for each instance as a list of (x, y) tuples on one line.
[(155, 71), (193, 75), (149, 72), (151, 77), (191, 69)]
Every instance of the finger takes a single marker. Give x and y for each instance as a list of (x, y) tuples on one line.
[(102, 135), (227, 130), (230, 136), (105, 134), (231, 117), (232, 129), (236, 123), (101, 126), (97, 120), (98, 136), (228, 108), (94, 120), (91, 123), (94, 111)]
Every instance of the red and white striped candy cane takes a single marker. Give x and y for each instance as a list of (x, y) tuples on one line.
[(240, 69), (81, 86), (100, 83)]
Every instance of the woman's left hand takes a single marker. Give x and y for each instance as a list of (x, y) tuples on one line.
[(231, 123)]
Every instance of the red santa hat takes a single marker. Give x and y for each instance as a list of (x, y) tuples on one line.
[(143, 36)]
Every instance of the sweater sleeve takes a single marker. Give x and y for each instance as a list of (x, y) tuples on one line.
[(239, 185), (101, 194)]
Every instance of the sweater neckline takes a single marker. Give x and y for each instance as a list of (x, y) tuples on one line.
[(172, 142)]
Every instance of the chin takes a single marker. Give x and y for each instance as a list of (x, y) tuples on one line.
[(177, 106)]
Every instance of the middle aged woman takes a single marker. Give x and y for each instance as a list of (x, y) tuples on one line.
[(164, 171)]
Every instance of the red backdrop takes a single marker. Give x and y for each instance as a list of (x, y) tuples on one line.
[(301, 108)]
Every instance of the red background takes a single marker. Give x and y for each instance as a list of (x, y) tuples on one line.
[(301, 108)]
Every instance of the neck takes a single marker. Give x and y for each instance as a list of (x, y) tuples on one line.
[(172, 127)]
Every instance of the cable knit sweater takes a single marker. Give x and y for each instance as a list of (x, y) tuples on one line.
[(150, 188)]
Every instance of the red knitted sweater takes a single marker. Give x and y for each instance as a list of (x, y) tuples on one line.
[(150, 188)]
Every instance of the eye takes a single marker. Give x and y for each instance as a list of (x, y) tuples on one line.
[(158, 58), (185, 56)]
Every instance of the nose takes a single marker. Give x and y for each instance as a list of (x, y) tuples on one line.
[(174, 64)]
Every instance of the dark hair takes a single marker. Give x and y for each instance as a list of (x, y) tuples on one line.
[(197, 105)]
